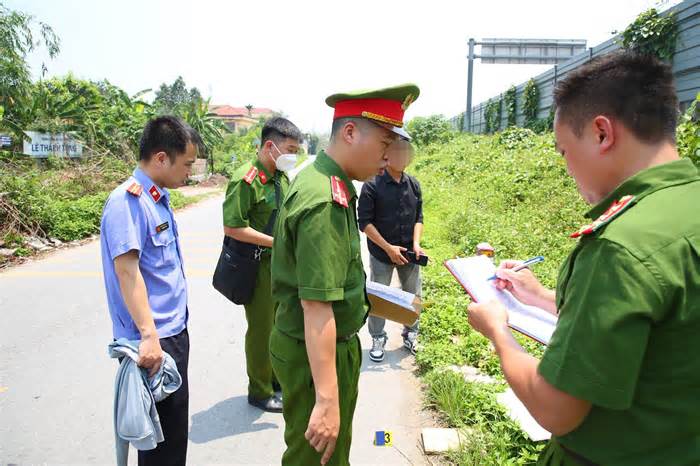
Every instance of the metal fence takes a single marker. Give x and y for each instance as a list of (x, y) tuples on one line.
[(686, 68)]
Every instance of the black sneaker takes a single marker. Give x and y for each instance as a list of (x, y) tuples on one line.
[(271, 405), (410, 341), (376, 354)]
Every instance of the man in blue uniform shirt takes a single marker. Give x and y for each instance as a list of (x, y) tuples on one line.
[(143, 271)]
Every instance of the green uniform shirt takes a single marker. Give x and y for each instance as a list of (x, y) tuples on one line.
[(251, 204), (628, 336), (316, 254)]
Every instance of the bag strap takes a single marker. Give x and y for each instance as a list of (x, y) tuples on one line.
[(273, 216)]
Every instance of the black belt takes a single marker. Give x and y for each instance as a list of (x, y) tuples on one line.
[(346, 338), (582, 460)]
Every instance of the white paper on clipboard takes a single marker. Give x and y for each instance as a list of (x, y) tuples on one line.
[(473, 274)]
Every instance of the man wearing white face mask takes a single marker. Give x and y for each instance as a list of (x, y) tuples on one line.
[(252, 199)]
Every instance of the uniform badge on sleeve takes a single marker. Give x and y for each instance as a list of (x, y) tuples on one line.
[(613, 211), (250, 176), (155, 194), (340, 191), (135, 189)]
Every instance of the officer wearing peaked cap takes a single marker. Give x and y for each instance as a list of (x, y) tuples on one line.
[(318, 279)]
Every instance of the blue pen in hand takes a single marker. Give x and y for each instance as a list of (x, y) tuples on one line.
[(526, 264)]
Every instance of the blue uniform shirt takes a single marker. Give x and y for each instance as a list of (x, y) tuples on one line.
[(137, 216)]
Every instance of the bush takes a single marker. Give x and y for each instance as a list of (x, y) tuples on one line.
[(70, 220), (433, 129), (688, 133)]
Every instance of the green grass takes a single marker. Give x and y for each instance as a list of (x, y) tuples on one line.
[(513, 191)]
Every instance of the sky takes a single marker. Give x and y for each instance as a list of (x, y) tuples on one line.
[(290, 55)]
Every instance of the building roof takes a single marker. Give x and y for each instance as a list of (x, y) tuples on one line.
[(229, 111)]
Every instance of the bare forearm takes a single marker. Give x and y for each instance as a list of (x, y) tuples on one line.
[(547, 301), (135, 295), (376, 237), (249, 235), (556, 411), (417, 233), (320, 336)]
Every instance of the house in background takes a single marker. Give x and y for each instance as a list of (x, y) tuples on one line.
[(237, 118)]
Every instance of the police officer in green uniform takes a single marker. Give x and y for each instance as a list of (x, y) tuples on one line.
[(248, 207), (318, 279), (619, 382)]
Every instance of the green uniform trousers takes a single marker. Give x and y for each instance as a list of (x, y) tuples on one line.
[(291, 365), (260, 314)]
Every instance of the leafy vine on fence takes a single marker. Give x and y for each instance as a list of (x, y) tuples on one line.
[(510, 100), (652, 33), (531, 102), (493, 115)]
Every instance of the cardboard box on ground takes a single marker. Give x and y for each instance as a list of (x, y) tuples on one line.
[(393, 304)]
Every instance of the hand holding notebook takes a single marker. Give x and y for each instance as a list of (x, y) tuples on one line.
[(473, 274)]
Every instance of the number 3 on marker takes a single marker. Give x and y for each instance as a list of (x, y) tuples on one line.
[(387, 439)]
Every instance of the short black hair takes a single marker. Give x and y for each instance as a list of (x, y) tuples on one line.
[(278, 129), (636, 89), (339, 123), (168, 134)]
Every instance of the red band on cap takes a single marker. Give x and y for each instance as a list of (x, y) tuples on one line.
[(388, 109)]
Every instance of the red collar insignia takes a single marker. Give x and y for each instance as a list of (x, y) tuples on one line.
[(263, 177), (135, 189), (155, 193), (250, 176), (613, 211), (340, 191)]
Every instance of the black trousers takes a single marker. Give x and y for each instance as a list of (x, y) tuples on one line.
[(173, 411)]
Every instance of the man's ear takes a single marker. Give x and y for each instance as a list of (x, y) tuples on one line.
[(350, 132), (604, 132), (160, 157)]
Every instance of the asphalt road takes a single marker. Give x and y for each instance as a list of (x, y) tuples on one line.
[(56, 379)]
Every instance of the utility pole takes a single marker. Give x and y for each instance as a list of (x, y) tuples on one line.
[(467, 120)]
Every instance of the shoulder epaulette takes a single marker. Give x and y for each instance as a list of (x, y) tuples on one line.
[(613, 211), (340, 191), (135, 189), (250, 176)]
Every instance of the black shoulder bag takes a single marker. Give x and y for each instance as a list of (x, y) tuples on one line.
[(237, 269)]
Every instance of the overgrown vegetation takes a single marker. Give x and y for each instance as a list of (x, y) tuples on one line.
[(531, 103), (652, 33), (428, 130), (510, 103), (58, 198), (688, 132), (512, 190), (492, 115)]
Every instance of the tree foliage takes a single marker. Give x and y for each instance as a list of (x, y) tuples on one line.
[(175, 98), (427, 130), (20, 34)]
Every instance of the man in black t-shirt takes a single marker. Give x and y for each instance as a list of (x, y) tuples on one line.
[(390, 213)]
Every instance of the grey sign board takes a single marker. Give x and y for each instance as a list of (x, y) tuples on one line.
[(529, 51)]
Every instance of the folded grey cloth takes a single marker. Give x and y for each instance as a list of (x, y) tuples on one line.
[(136, 419)]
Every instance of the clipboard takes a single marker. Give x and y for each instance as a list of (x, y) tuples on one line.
[(473, 273), (393, 304)]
